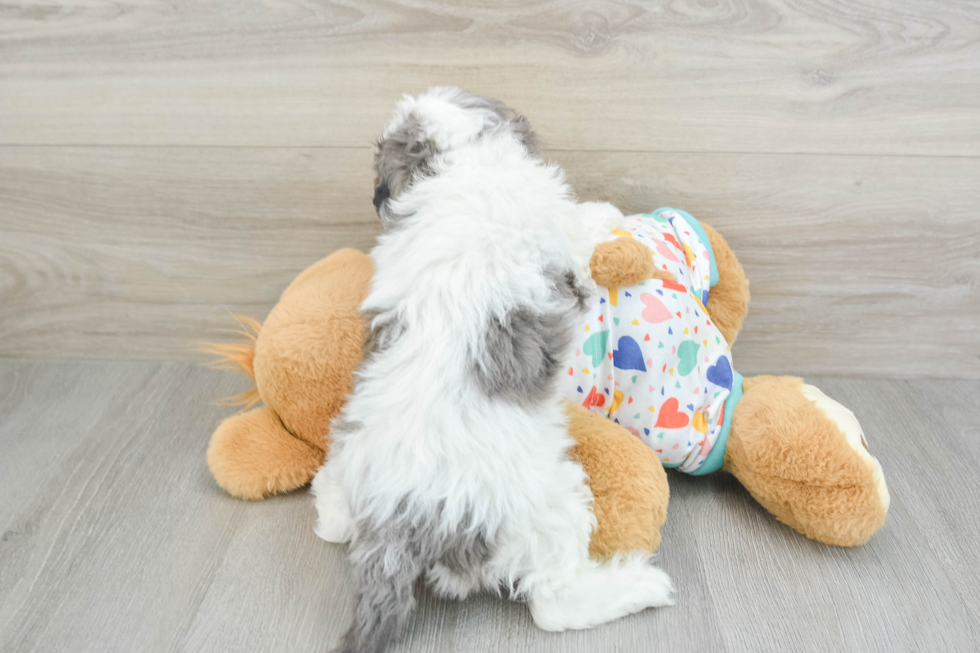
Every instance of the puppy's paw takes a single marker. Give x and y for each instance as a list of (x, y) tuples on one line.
[(653, 589), (334, 521), (601, 216)]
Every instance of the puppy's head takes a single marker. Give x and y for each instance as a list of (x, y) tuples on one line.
[(430, 125)]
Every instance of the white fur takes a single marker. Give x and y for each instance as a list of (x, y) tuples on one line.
[(479, 235)]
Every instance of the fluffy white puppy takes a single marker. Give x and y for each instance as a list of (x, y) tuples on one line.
[(450, 460)]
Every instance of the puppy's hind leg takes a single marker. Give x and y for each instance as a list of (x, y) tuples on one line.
[(601, 592), (387, 564), (334, 521), (571, 590)]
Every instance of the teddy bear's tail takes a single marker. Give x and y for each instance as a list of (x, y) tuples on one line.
[(237, 357)]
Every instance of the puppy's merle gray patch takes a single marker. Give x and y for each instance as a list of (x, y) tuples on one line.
[(388, 558), (379, 334), (400, 158), (521, 354), (523, 350), (467, 550), (381, 194), (509, 118), (566, 286)]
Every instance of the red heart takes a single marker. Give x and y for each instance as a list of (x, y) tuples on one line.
[(673, 285), (600, 318), (571, 371), (669, 417), (594, 399), (647, 337)]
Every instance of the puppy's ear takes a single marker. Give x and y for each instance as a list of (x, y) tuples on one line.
[(401, 157)]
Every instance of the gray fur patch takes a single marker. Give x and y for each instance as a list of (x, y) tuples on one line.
[(399, 158), (378, 336), (522, 352), (566, 286), (510, 118), (389, 558)]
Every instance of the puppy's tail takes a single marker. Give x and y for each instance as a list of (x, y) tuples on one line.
[(386, 572)]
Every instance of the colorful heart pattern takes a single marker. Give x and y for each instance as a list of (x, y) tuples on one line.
[(687, 352), (649, 357), (629, 356), (721, 373), (596, 346), (654, 310), (669, 417)]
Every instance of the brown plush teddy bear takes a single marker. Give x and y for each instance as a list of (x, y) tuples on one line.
[(799, 453)]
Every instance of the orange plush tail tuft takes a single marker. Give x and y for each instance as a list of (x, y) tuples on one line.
[(237, 357)]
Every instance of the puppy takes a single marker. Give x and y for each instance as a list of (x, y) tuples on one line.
[(450, 460)]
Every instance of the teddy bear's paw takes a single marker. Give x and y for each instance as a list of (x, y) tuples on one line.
[(334, 521), (601, 216), (848, 424)]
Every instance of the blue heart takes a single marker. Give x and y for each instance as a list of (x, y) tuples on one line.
[(580, 388), (646, 431), (721, 373), (629, 356), (628, 295)]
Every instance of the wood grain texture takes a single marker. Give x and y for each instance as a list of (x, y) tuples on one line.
[(136, 253), (883, 77), (115, 538)]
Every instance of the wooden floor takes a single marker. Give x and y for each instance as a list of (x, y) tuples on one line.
[(115, 538)]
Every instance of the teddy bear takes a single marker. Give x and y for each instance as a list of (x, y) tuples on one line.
[(800, 454)]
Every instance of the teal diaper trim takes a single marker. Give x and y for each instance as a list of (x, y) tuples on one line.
[(716, 457), (704, 239)]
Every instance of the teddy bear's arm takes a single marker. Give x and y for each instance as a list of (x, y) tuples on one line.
[(624, 262), (728, 301)]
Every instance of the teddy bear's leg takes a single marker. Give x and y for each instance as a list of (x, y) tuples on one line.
[(803, 457), (728, 301), (252, 456), (627, 480)]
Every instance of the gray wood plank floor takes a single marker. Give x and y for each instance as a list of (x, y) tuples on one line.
[(115, 538)]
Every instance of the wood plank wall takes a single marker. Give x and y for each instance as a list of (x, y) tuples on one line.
[(165, 164)]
